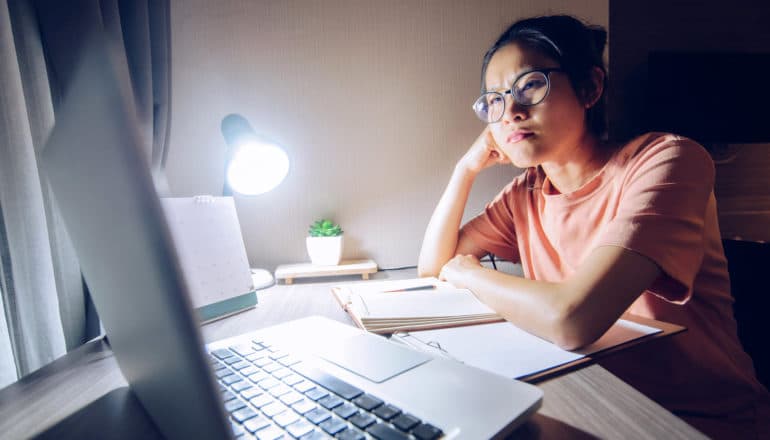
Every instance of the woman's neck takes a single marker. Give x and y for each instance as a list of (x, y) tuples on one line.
[(577, 165)]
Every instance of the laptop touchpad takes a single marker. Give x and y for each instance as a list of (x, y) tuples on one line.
[(372, 357)]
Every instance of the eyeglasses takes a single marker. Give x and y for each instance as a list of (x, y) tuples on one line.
[(529, 88)]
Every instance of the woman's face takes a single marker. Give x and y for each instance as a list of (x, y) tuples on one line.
[(545, 132)]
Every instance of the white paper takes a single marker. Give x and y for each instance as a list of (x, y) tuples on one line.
[(505, 349), (426, 303)]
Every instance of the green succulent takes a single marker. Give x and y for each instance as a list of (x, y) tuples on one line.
[(324, 228)]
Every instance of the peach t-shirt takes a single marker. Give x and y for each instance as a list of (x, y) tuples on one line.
[(655, 197)]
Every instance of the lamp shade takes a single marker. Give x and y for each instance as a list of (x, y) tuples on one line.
[(255, 165)]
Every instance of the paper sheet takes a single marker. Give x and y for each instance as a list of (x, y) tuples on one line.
[(507, 350)]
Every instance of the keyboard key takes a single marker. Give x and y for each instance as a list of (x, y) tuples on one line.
[(293, 379), (227, 396), (259, 375), (426, 431), (255, 424), (222, 353), (351, 434), (382, 431), (216, 365), (222, 388), (315, 435), (243, 350), (268, 383), (405, 422), (346, 410), (244, 414), (234, 405), (223, 372), (331, 401), (240, 365), (237, 430), (259, 354), (317, 415), (272, 432), (262, 400), (363, 420), (280, 390), (286, 418), (288, 361), (344, 389), (240, 386), (231, 379), (316, 393), (261, 362), (251, 393), (367, 402), (303, 406), (272, 367), (278, 354), (291, 398), (333, 425), (281, 372), (273, 409), (251, 369), (387, 412), (300, 428), (304, 386), (232, 360)]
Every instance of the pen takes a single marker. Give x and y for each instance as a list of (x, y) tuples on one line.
[(410, 289)]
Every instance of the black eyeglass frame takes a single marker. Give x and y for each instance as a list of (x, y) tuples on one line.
[(546, 73)]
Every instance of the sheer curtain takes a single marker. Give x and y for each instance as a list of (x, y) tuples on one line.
[(43, 299)]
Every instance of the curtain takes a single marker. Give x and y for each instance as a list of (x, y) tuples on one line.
[(45, 303)]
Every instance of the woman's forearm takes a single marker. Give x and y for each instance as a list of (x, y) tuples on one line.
[(441, 235)]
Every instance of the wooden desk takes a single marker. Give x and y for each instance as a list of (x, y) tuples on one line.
[(84, 395)]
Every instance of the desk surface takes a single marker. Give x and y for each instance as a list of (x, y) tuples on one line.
[(84, 392)]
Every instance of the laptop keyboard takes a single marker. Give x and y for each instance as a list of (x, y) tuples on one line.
[(271, 394)]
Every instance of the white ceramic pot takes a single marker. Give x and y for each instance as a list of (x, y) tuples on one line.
[(325, 251)]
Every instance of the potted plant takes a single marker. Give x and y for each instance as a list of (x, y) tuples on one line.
[(324, 243)]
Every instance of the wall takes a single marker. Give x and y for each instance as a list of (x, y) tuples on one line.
[(370, 98), (638, 27)]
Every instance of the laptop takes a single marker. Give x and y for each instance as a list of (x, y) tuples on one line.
[(311, 378)]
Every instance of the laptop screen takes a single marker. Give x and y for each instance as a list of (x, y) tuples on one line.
[(103, 188)]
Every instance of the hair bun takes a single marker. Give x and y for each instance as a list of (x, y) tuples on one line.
[(599, 36)]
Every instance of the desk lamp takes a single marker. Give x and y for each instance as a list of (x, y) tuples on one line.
[(254, 166)]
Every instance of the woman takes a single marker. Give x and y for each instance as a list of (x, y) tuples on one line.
[(599, 229)]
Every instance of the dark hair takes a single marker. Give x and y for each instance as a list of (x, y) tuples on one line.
[(576, 46)]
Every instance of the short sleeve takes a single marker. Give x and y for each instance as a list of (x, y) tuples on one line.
[(493, 229), (661, 212)]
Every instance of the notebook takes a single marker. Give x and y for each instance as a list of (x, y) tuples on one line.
[(412, 304), (258, 385)]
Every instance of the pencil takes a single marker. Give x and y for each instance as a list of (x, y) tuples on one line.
[(410, 289)]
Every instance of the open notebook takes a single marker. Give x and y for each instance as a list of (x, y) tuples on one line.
[(390, 306), (452, 323)]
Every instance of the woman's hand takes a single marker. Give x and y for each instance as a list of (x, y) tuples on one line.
[(482, 154), (455, 269)]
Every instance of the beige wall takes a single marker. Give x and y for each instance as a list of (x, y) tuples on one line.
[(370, 98)]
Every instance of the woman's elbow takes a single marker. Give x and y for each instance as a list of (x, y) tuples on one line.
[(570, 334), (426, 271)]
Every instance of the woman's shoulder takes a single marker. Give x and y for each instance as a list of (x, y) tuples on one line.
[(657, 146), (665, 156)]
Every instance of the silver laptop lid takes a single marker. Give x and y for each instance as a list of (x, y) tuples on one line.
[(102, 185)]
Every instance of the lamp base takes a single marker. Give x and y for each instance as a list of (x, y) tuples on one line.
[(261, 278)]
